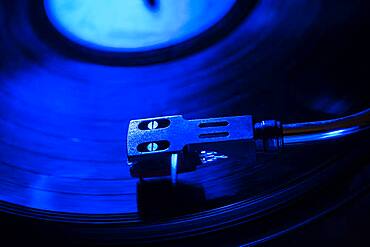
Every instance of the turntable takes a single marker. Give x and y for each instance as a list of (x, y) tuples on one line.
[(177, 123)]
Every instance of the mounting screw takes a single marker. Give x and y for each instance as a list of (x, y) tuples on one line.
[(152, 125), (152, 146)]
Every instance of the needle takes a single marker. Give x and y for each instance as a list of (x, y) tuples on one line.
[(174, 168)]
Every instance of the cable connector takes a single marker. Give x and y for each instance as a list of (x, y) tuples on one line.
[(269, 136)]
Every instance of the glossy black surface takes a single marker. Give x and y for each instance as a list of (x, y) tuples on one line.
[(63, 121)]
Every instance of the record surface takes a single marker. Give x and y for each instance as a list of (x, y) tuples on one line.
[(64, 113)]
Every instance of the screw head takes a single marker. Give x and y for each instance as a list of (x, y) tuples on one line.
[(152, 146), (152, 125)]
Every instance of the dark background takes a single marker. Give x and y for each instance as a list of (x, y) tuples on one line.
[(64, 111)]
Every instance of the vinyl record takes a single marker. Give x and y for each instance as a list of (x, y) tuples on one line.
[(65, 107)]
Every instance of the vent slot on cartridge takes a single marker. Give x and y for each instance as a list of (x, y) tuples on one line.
[(214, 135), (213, 124)]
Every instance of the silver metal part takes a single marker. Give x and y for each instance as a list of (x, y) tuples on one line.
[(210, 156), (174, 161)]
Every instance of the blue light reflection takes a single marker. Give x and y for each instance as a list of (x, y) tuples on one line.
[(314, 137), (63, 121), (134, 25)]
